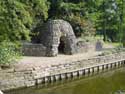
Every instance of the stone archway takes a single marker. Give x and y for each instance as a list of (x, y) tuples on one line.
[(52, 37)]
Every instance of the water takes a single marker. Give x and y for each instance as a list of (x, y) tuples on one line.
[(112, 82)]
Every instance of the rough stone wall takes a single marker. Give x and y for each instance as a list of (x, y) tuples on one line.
[(50, 34), (49, 38), (29, 49), (85, 47), (16, 78)]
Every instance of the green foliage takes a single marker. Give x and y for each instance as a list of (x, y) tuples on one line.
[(8, 53), (74, 12), (72, 7), (17, 18), (82, 26), (110, 19)]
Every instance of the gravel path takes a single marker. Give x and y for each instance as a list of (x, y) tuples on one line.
[(31, 62)]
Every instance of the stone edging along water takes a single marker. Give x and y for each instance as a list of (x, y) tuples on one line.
[(16, 78)]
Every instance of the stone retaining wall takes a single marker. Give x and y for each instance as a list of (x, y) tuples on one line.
[(17, 78), (85, 46), (30, 49)]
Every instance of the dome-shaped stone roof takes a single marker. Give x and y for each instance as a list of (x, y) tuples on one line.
[(58, 35)]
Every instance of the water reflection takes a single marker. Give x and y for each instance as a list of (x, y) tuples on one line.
[(112, 82)]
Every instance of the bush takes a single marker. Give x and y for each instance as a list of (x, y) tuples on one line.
[(81, 26), (8, 53), (19, 17)]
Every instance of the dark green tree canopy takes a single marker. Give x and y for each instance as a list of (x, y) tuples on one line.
[(17, 17)]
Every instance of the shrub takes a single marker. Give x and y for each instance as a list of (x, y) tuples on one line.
[(8, 53), (81, 26), (19, 17)]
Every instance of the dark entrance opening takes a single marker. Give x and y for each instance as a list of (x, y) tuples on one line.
[(61, 46)]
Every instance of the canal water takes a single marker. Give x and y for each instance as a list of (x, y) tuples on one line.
[(109, 82)]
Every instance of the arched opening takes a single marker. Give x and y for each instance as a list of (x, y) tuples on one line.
[(61, 47)]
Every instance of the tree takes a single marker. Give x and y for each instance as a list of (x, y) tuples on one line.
[(109, 19), (75, 12), (17, 18)]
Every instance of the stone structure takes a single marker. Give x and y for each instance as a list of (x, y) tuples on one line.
[(19, 77), (83, 47), (99, 45), (57, 36), (32, 49)]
